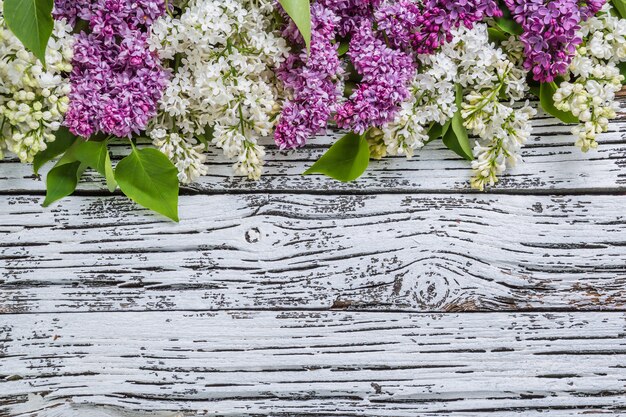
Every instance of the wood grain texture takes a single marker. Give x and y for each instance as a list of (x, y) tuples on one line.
[(107, 310), (317, 363), (551, 164), (274, 251)]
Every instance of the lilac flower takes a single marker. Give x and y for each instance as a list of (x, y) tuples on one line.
[(313, 80), (550, 33), (351, 13), (116, 81), (383, 57), (590, 8), (109, 13), (399, 21), (386, 73), (429, 26)]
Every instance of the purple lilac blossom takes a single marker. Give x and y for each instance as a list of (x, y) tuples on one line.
[(351, 13), (427, 27), (133, 13), (550, 33), (386, 74), (313, 79), (383, 57), (116, 81), (590, 8), (399, 21), (386, 64)]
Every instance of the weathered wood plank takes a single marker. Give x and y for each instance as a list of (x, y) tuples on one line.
[(552, 163), (317, 363), (274, 251)]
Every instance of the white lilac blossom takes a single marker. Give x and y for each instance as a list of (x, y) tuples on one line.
[(432, 100), (590, 94), (514, 49), (487, 76), (33, 99), (488, 109), (223, 54), (502, 131)]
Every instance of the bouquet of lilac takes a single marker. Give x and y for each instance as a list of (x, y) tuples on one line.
[(171, 78)]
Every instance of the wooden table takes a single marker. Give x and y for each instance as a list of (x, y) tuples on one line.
[(402, 294)]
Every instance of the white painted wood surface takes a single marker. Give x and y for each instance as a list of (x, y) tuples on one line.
[(411, 252), (402, 294), (320, 363)]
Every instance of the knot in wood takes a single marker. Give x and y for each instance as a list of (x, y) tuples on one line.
[(427, 290), (253, 235)]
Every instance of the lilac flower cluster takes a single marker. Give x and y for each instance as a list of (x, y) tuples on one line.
[(428, 27), (351, 13), (106, 15), (313, 81), (385, 38), (117, 81), (590, 8), (386, 73), (550, 32)]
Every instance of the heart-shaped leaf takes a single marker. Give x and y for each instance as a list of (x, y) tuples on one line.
[(620, 6), (507, 24), (31, 22), (346, 160), (62, 142), (344, 47), (209, 133), (456, 137), (62, 180), (96, 156), (437, 131), (622, 70), (109, 174), (150, 179), (300, 13), (497, 35)]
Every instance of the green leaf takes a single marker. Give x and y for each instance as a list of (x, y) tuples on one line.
[(64, 139), (349, 88), (497, 35), (535, 90), (437, 131), (456, 138), (209, 133), (300, 13), (150, 179), (31, 22), (96, 156), (64, 176), (346, 160), (109, 174), (508, 25), (622, 70), (344, 47), (62, 181), (620, 6), (546, 98)]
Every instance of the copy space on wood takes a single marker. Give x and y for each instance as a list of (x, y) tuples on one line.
[(272, 251), (317, 363), (115, 312)]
